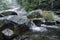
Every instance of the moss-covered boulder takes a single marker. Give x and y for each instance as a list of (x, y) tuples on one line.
[(34, 15), (49, 15)]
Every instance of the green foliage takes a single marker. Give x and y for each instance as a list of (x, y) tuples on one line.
[(29, 4), (34, 4)]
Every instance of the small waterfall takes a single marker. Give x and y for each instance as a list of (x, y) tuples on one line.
[(21, 13), (35, 28), (10, 3)]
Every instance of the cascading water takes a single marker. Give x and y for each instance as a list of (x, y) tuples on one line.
[(11, 5)]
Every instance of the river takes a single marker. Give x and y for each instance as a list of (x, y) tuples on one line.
[(43, 32)]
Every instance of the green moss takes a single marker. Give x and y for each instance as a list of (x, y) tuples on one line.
[(48, 15), (6, 13), (35, 15), (1, 22)]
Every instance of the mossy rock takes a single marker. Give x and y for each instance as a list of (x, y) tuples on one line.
[(1, 22), (9, 13), (35, 15), (49, 15)]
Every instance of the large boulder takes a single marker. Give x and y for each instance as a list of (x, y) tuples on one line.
[(35, 14)]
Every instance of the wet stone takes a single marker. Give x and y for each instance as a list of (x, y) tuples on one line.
[(37, 22), (8, 32)]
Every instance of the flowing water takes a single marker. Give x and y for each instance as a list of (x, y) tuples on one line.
[(44, 32), (8, 4)]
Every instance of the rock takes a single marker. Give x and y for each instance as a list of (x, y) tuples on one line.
[(37, 22), (8, 32), (18, 19), (23, 29), (50, 23)]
